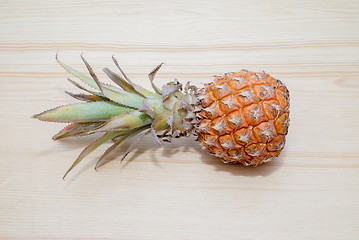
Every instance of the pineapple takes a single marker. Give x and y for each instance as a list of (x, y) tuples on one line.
[(244, 117), (241, 117)]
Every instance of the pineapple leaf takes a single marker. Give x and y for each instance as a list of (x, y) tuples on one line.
[(139, 137), (83, 77), (154, 106), (83, 112), (119, 142), (161, 121), (154, 136), (152, 75), (90, 148), (168, 89), (77, 129), (122, 72), (144, 92), (122, 97), (85, 97), (120, 81), (126, 121), (113, 93), (85, 89), (92, 73)]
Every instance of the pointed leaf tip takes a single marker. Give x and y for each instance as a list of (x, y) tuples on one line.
[(86, 79), (139, 137), (90, 148), (92, 73), (152, 76), (120, 81), (77, 129), (119, 142), (141, 90)]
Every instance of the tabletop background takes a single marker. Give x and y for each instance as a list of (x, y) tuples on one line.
[(177, 191)]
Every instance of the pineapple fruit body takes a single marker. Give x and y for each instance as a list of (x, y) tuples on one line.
[(244, 117), (240, 117)]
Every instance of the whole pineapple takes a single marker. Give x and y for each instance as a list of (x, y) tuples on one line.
[(240, 117)]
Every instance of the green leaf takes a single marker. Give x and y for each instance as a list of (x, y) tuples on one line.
[(161, 121), (86, 79), (99, 94), (77, 129), (85, 97), (115, 94), (120, 141), (90, 148), (143, 91), (126, 121), (83, 112), (120, 81), (122, 97), (152, 76), (133, 144)]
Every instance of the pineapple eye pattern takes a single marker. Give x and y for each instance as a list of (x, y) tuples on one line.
[(257, 121)]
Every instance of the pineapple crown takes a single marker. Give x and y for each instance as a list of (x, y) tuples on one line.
[(125, 112)]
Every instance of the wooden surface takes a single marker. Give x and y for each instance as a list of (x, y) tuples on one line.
[(177, 191)]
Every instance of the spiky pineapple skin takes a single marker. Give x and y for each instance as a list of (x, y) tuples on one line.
[(244, 117)]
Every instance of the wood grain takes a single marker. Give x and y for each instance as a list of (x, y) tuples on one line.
[(177, 191)]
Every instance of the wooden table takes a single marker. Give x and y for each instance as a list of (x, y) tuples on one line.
[(177, 191)]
